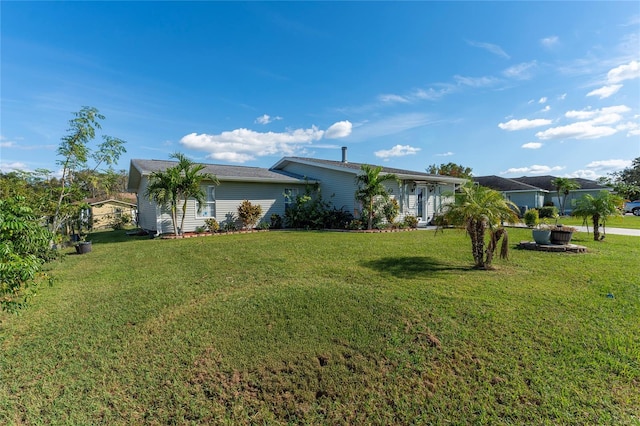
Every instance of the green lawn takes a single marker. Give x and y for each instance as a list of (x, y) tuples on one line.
[(627, 221), (327, 328)]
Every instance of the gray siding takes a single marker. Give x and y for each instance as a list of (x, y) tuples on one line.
[(146, 209), (337, 187)]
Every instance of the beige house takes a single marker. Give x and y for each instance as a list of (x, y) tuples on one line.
[(104, 210)]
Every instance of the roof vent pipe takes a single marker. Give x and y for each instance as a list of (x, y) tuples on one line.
[(344, 154)]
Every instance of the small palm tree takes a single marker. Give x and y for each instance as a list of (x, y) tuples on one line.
[(191, 180), (479, 209), (563, 187), (371, 186), (598, 209), (163, 188)]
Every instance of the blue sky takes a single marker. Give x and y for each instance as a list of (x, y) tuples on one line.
[(506, 88)]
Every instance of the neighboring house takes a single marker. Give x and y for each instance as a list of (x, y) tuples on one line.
[(523, 195), (418, 194), (104, 210), (536, 191)]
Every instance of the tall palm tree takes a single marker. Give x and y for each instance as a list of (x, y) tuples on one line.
[(479, 209), (371, 186), (191, 180), (563, 187), (164, 189), (598, 209)]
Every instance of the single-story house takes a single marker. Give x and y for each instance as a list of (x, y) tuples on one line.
[(104, 210), (536, 191), (418, 194)]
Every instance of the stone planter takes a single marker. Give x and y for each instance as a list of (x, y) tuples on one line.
[(542, 236), (561, 237)]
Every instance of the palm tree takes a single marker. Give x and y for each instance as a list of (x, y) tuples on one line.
[(371, 186), (190, 183), (563, 187), (479, 209), (164, 189), (598, 208)]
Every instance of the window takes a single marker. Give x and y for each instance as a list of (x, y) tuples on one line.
[(290, 195), (209, 207)]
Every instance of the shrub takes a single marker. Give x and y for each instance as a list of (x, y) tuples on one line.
[(276, 221), (337, 219), (531, 218), (212, 224), (118, 223), (411, 221), (249, 213), (200, 230), (307, 211), (356, 224), (390, 210), (548, 212), (263, 225)]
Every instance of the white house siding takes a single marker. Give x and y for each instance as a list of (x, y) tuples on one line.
[(336, 186), (147, 219)]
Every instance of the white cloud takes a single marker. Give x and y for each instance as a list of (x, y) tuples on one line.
[(512, 125), (241, 145), (579, 130), (562, 97), (493, 48), (605, 91), (521, 71), (609, 164), (7, 144), (532, 145), (585, 174), (445, 154), (390, 98), (266, 119), (13, 166), (397, 151), (546, 108), (632, 129), (475, 81), (534, 170), (341, 129), (390, 126), (624, 72), (549, 41), (543, 100)]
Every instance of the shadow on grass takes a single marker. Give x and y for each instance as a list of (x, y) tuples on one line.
[(411, 267), (119, 236)]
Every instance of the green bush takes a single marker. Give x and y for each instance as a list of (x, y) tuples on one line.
[(276, 221), (531, 217), (411, 221), (249, 213), (390, 210), (548, 212), (120, 222), (212, 224)]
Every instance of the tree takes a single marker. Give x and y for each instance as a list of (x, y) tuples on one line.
[(179, 183), (626, 183), (370, 187), (598, 209), (24, 247), (563, 187), (479, 209), (191, 180), (450, 169), (76, 153)]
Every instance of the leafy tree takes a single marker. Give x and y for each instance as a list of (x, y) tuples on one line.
[(625, 183), (479, 209), (598, 209), (371, 187), (450, 169), (563, 187), (76, 153), (24, 247)]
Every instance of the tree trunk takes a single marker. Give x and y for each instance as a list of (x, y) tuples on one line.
[(476, 229), (596, 227)]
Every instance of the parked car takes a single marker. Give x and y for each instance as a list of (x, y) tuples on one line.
[(632, 207)]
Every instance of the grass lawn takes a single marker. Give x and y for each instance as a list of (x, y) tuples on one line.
[(628, 221), (327, 328)]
